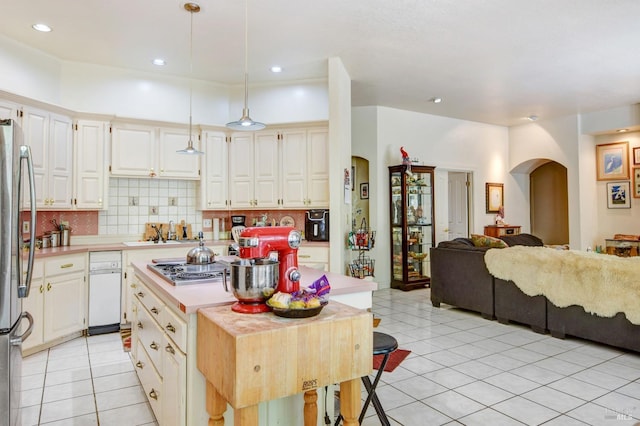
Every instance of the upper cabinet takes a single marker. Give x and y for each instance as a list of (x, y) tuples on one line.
[(214, 186), (139, 150), (51, 140), (279, 169), (305, 168), (91, 182)]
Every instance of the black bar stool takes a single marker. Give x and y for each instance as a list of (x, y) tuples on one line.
[(383, 344)]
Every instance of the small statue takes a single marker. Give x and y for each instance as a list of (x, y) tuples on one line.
[(405, 156), (500, 216)]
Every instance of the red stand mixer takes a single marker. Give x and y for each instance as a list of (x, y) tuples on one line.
[(256, 244)]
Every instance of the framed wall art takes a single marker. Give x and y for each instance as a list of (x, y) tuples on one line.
[(618, 196), (636, 155), (636, 182), (364, 191), (612, 161), (495, 196)]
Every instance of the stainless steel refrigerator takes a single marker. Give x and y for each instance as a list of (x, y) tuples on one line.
[(16, 170)]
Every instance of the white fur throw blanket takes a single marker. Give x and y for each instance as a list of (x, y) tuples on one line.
[(602, 284)]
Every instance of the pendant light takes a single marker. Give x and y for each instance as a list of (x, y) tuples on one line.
[(191, 8), (246, 123)]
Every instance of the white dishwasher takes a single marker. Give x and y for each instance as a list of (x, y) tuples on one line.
[(105, 275)]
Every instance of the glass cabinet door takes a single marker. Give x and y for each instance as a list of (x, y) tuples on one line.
[(412, 233)]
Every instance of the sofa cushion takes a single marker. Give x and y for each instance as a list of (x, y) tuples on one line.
[(521, 240), (487, 241)]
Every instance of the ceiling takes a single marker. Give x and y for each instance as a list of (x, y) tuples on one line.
[(492, 61)]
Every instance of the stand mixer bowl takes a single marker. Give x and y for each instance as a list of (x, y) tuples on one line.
[(253, 282)]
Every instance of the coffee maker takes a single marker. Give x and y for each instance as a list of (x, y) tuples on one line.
[(259, 242)]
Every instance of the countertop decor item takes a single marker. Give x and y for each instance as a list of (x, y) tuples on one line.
[(287, 221)]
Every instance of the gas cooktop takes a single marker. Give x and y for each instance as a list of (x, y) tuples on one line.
[(183, 273)]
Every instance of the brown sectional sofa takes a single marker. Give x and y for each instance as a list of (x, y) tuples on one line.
[(459, 277)]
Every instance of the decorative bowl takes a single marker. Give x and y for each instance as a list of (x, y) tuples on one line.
[(417, 256), (298, 313)]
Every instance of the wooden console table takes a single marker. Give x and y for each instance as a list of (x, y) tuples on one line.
[(250, 358), (501, 230)]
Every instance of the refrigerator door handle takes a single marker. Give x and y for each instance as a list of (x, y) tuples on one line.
[(25, 153), (17, 340)]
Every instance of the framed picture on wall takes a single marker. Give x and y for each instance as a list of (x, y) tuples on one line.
[(636, 155), (636, 182), (364, 191), (612, 161), (618, 195), (495, 196)]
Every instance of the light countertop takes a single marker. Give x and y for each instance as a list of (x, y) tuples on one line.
[(190, 298)]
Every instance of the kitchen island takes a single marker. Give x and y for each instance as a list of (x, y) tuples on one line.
[(164, 344)]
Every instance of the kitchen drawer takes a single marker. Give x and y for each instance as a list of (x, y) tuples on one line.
[(175, 328), (64, 265), (150, 380), (150, 335), (150, 301), (313, 254), (38, 270)]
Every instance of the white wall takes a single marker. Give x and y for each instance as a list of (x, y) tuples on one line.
[(446, 143)]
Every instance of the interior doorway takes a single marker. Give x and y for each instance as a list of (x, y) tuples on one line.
[(459, 187), (549, 200), (359, 203)]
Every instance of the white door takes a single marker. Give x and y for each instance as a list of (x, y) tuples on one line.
[(241, 170), (214, 182), (91, 180), (458, 205)]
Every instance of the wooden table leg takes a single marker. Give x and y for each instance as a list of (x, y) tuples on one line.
[(216, 406), (247, 416), (310, 408), (350, 401)]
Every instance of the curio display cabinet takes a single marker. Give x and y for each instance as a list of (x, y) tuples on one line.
[(412, 225)]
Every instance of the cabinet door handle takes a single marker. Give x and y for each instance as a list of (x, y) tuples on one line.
[(41, 288), (48, 286), (140, 294), (154, 346), (153, 394), (139, 365), (154, 310), (171, 328), (170, 349), (66, 265), (140, 325)]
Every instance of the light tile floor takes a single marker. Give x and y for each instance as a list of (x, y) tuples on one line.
[(462, 369)]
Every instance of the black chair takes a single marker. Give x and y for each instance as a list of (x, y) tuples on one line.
[(383, 344)]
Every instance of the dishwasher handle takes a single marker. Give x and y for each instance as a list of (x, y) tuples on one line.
[(105, 271)]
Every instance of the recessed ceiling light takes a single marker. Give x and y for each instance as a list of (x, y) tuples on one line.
[(622, 130), (276, 68), (532, 117), (159, 61), (435, 100), (41, 27)]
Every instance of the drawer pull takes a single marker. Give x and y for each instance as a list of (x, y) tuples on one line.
[(133, 286), (154, 346), (306, 256), (170, 349), (154, 310), (171, 328), (153, 394), (140, 294), (139, 365), (66, 265), (140, 325)]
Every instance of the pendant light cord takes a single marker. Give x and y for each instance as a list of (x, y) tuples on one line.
[(191, 80), (246, 54)]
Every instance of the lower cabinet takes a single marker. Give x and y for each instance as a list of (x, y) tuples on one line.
[(158, 335), (57, 300), (314, 257)]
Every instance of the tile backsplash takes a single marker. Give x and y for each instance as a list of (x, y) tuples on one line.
[(134, 202)]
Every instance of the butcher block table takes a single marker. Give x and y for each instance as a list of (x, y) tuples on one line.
[(250, 358)]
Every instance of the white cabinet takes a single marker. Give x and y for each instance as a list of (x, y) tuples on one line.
[(9, 110), (253, 170), (50, 137), (139, 150), (57, 300), (314, 257), (305, 168), (159, 336), (214, 183), (91, 182)]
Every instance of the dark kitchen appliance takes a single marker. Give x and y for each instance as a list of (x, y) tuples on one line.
[(238, 220), (13, 283), (316, 225)]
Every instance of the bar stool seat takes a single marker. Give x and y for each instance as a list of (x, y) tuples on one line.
[(383, 344)]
